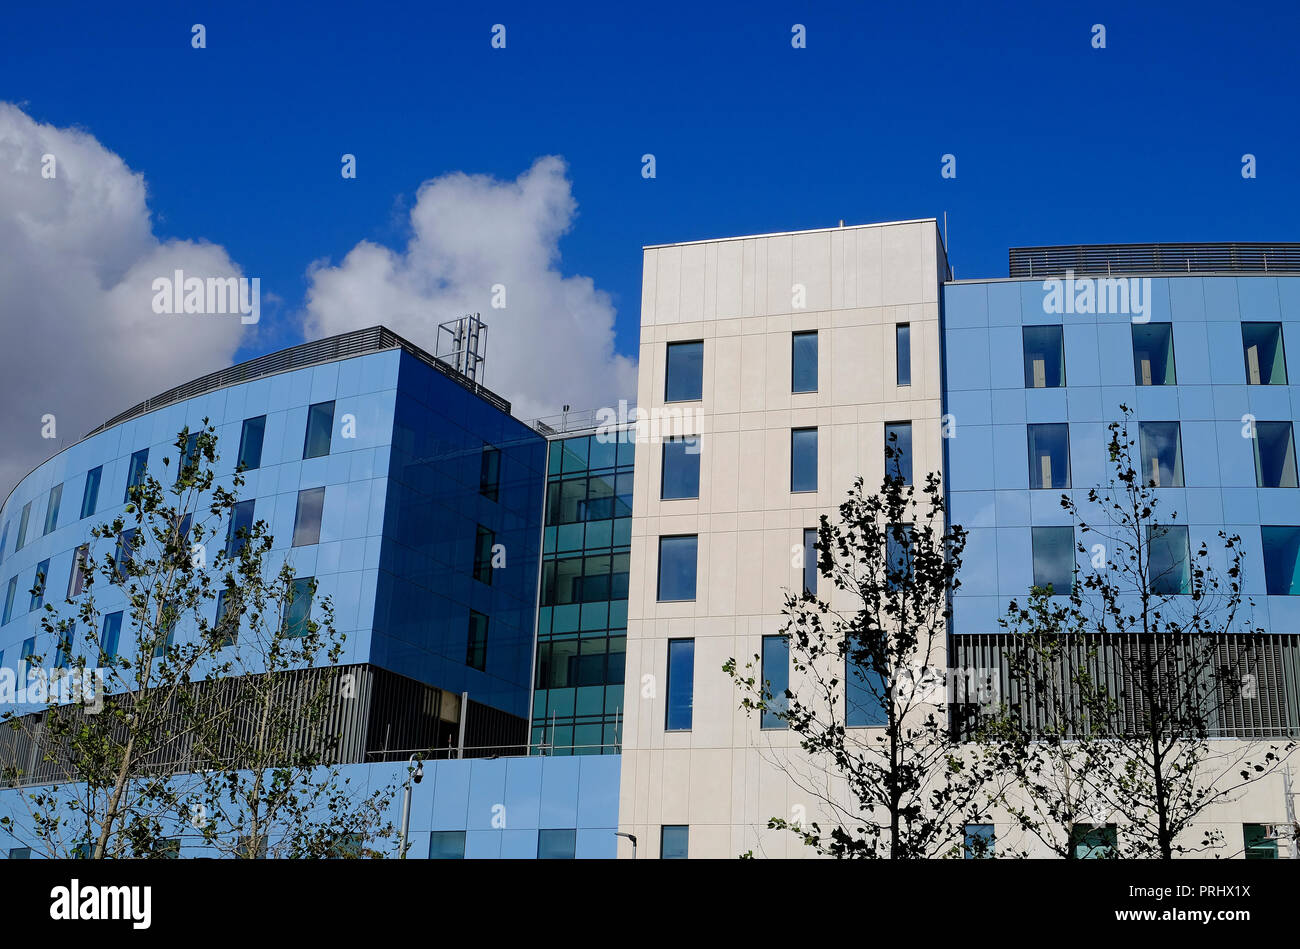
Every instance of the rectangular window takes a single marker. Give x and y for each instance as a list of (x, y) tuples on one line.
[(90, 494), (447, 845), (898, 555), (110, 635), (803, 363), (681, 474), (189, 457), (903, 353), (864, 692), (26, 653), (483, 542), (1091, 842), (1053, 549), (63, 653), (1161, 445), (803, 459), (306, 523), (1169, 559), (122, 554), (1274, 455), (11, 593), (557, 844), (241, 525), (1044, 357), (685, 373), (250, 443), (810, 560), (979, 841), (135, 472), (38, 585), (776, 679), (167, 638), (681, 684), (1281, 560), (52, 508), (1260, 844), (674, 840), (4, 540), (23, 521), (476, 647), (77, 578), (489, 473), (225, 624), (1153, 354), (20, 853), (1049, 455), (1265, 356), (898, 451), (320, 426), (297, 613), (677, 561)]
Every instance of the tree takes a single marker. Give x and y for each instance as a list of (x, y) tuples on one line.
[(875, 651), (116, 774), (1124, 680)]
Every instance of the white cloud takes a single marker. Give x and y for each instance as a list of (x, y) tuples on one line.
[(77, 260), (552, 344)]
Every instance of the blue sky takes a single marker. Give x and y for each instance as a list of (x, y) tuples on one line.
[(1056, 142)]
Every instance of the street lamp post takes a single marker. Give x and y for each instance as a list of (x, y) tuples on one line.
[(414, 772), (631, 837)]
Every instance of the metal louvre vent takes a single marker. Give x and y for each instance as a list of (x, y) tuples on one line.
[(1112, 259), (331, 349)]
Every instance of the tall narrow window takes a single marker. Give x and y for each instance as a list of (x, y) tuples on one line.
[(110, 635), (898, 556), (11, 593), (52, 508), (810, 560), (225, 625), (803, 368), (1281, 560), (4, 540), (476, 647), (776, 678), (685, 372), (1169, 559), (864, 692), (489, 472), (77, 578), (251, 437), (979, 841), (483, 542), (1044, 357), (1265, 355), (38, 585), (677, 563), (135, 472), (1053, 552), (320, 427), (1093, 842), (1259, 845), (1049, 455), (903, 353), (297, 614), (122, 554), (1275, 465), (1153, 354), (189, 457), (898, 451), (90, 494), (24, 519), (674, 840), (681, 468), (681, 684), (803, 459), (1161, 445), (306, 524), (28, 650), (241, 524), (167, 634)]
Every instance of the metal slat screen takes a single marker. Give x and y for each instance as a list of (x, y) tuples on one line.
[(1111, 259)]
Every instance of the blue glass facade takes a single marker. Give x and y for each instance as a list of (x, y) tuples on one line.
[(990, 370)]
